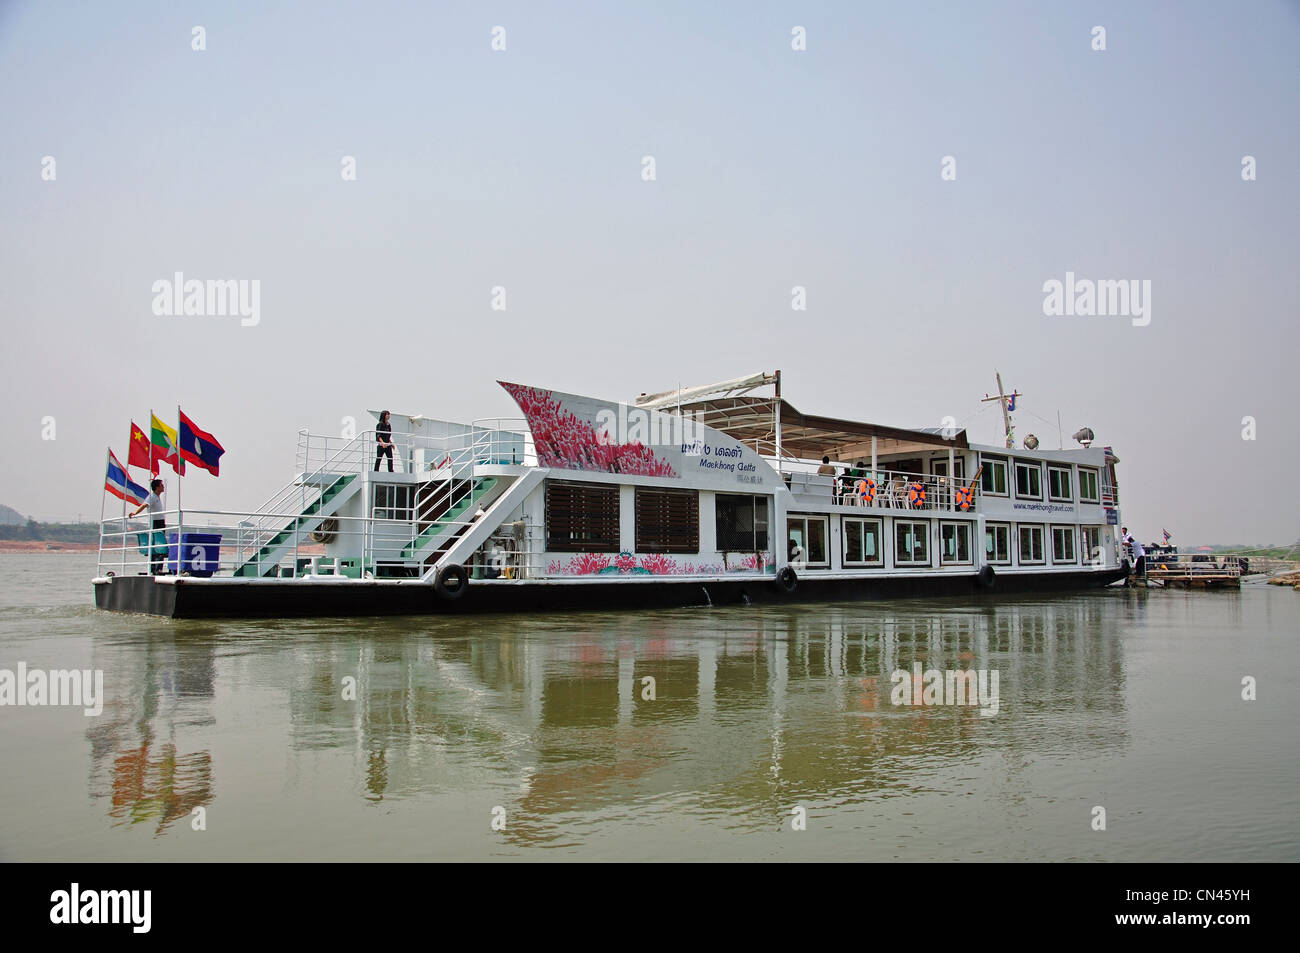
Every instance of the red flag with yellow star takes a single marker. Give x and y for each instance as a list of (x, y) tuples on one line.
[(141, 454)]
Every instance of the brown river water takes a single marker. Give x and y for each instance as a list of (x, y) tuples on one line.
[(766, 733)]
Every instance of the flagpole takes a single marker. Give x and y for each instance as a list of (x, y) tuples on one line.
[(101, 508), (151, 477), (107, 451), (100, 565), (179, 518)]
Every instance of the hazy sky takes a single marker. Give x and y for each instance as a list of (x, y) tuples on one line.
[(774, 168)]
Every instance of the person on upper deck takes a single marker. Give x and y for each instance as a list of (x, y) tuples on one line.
[(846, 484), (827, 468), (384, 441)]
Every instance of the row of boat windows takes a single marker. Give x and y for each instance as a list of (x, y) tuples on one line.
[(584, 517), (863, 542), (1029, 480)]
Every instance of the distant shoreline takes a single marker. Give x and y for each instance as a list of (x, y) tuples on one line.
[(40, 546)]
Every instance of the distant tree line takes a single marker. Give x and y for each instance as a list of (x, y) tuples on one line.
[(1268, 552), (52, 532)]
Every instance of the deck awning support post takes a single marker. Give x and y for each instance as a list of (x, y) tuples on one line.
[(875, 473), (778, 422), (952, 476)]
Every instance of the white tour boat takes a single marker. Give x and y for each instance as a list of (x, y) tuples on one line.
[(700, 496)]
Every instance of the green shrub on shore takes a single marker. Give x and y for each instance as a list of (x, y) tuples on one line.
[(52, 532)]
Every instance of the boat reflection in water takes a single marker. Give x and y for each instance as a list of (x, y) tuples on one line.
[(134, 754), (569, 724)]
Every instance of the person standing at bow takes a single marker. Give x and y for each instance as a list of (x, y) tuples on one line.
[(153, 502)]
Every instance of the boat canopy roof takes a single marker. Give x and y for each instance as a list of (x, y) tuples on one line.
[(728, 407)]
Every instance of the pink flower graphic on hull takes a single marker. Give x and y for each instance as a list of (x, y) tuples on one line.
[(624, 564), (751, 562), (565, 442), (584, 564), (660, 565)]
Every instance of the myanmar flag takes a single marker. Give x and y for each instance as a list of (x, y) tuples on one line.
[(199, 447), (139, 455), (165, 445)]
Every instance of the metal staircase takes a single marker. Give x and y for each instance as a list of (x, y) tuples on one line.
[(480, 490), (461, 545), (296, 509), (266, 560)]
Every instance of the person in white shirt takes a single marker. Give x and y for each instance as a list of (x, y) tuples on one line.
[(155, 506), (1139, 554)]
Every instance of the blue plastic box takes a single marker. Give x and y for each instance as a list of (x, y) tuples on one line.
[(200, 553)]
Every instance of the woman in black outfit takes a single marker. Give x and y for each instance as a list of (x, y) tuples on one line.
[(384, 441)]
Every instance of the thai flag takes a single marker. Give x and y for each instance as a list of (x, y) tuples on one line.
[(1167, 536), (120, 485), (198, 446)]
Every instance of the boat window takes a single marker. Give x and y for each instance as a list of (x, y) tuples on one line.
[(1063, 544), (862, 543), (809, 534), (993, 480), (581, 517), (939, 466), (954, 540), (741, 523), (1090, 538), (667, 521), (997, 543), (1029, 481), (393, 501), (1058, 483), (911, 544), (1088, 489), (1031, 544)]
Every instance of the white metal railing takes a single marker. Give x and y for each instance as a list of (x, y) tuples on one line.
[(893, 489), (291, 501), (131, 546), (496, 441), (445, 464), (1193, 565), (503, 441)]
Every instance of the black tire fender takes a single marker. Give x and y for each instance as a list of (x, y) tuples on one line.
[(787, 580), (451, 582), (986, 577)]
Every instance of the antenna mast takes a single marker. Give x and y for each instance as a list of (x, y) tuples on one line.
[(1006, 409)]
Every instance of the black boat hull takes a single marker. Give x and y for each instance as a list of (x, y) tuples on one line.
[(184, 598)]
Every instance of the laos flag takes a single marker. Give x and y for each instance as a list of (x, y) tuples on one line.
[(120, 485), (198, 446)]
